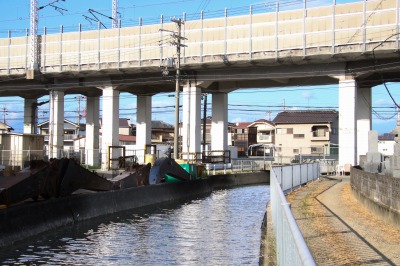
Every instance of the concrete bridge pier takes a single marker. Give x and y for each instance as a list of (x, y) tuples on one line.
[(92, 130), (354, 120), (219, 122), (56, 124), (30, 114), (364, 120), (191, 121), (143, 124), (110, 126)]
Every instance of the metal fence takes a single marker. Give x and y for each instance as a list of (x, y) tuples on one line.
[(291, 248), (20, 158), (239, 166)]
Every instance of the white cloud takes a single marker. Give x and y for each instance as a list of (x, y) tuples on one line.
[(382, 102), (236, 120), (307, 95)]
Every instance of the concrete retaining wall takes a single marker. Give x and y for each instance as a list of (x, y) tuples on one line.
[(30, 219), (379, 193)]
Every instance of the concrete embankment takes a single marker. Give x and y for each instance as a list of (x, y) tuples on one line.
[(32, 218)]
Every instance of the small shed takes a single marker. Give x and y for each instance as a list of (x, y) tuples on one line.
[(18, 149)]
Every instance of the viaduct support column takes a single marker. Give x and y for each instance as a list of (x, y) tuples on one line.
[(30, 116), (364, 120), (92, 131), (143, 125), (354, 121), (219, 123), (191, 128), (56, 124), (110, 127)]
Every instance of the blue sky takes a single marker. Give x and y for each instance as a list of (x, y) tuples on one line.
[(244, 105)]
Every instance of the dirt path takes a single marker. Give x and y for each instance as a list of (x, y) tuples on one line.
[(339, 230)]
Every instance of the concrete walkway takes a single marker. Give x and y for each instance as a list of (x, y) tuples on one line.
[(338, 229)]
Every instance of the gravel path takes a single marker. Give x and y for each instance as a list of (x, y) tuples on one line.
[(338, 229)]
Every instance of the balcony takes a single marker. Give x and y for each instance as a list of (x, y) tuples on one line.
[(264, 138), (67, 137), (319, 136), (320, 133)]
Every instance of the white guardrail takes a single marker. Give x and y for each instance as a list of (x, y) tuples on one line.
[(291, 248)]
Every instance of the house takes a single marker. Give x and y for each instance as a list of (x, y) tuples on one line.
[(162, 132), (386, 144), (71, 132), (243, 137), (265, 138), (124, 126), (4, 128), (306, 133), (208, 123)]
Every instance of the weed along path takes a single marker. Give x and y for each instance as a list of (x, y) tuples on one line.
[(338, 229)]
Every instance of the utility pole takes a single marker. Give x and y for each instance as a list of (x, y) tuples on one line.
[(177, 38), (33, 64), (33, 34), (79, 113), (114, 14), (177, 87), (204, 121), (34, 113)]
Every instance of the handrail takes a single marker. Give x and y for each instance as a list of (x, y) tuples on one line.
[(291, 246)]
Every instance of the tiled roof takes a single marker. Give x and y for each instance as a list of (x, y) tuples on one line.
[(243, 124), (160, 124), (386, 136), (124, 122), (127, 138), (306, 117), (264, 121)]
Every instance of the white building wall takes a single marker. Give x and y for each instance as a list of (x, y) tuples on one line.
[(386, 147)]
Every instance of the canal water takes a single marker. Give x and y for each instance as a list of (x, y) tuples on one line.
[(221, 229)]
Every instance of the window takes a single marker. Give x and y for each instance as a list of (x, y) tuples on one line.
[(317, 149), (239, 130), (241, 137), (295, 151), (281, 131), (264, 135), (298, 136), (319, 131)]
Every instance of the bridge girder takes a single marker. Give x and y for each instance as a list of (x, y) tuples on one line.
[(368, 72)]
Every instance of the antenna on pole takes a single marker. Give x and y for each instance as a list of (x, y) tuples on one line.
[(4, 114)]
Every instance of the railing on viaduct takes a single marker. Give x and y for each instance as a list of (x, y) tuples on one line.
[(263, 34)]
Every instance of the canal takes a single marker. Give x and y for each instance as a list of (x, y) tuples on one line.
[(221, 229)]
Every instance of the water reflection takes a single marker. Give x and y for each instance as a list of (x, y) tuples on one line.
[(223, 229)]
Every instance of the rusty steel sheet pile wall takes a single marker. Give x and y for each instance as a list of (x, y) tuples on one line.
[(379, 193)]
